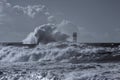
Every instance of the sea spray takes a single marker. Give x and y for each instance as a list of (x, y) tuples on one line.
[(45, 33)]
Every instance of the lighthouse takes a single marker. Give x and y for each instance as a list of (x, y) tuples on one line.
[(74, 36)]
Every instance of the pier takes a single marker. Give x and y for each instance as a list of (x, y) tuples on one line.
[(18, 44)]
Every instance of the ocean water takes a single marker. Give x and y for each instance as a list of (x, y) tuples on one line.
[(60, 61)]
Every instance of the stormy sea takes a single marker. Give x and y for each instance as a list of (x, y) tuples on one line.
[(47, 55)]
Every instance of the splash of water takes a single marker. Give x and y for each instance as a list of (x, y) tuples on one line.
[(45, 33)]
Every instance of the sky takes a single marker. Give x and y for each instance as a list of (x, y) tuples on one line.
[(93, 20)]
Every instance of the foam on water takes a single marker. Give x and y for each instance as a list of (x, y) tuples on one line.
[(59, 61), (60, 52), (61, 71)]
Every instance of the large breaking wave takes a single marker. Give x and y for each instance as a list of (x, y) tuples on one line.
[(45, 33), (56, 48), (59, 52)]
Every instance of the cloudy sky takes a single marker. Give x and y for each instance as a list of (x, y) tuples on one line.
[(94, 20)]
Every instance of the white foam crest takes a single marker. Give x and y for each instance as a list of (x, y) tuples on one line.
[(56, 51), (45, 33)]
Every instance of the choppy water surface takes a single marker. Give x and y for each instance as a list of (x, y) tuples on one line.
[(60, 61)]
